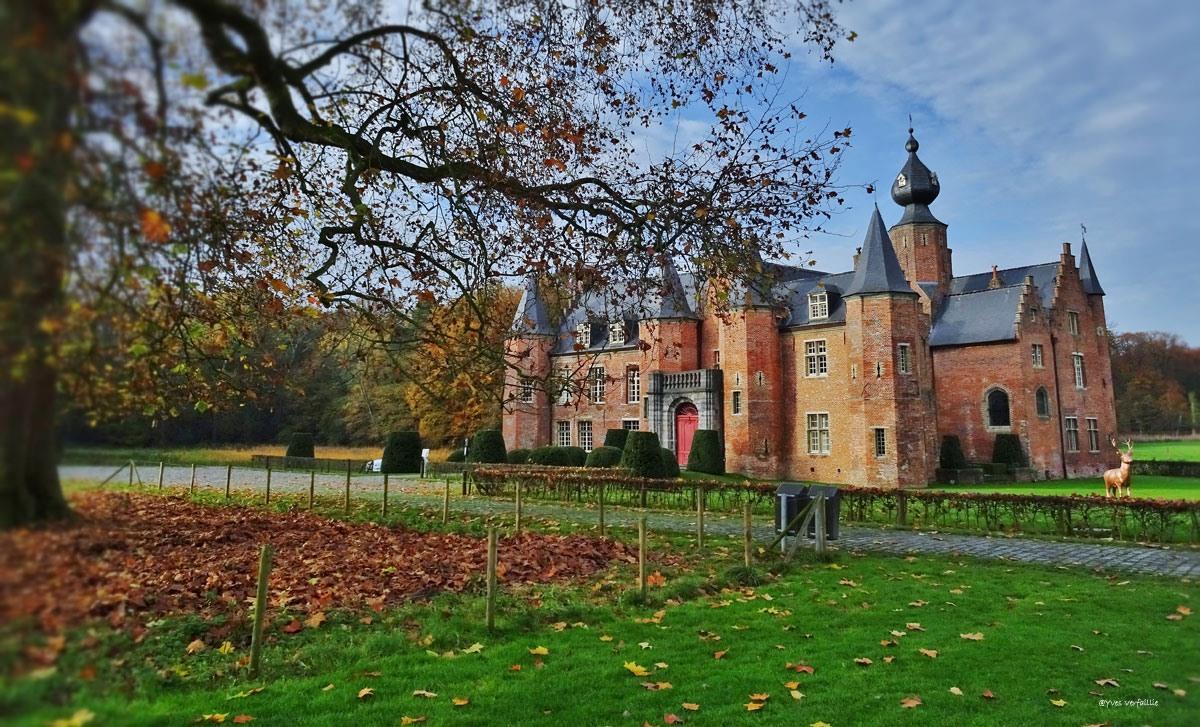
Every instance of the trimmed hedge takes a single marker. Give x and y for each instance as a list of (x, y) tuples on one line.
[(707, 455), (456, 455), (642, 455), (518, 456), (616, 438), (952, 457), (301, 445), (487, 447), (1008, 450), (558, 456), (670, 463), (402, 453), (605, 456)]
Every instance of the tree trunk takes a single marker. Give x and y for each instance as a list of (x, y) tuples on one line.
[(38, 89)]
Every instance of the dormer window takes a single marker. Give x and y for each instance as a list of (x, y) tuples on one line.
[(901, 180), (616, 332), (818, 305), (933, 178), (583, 334)]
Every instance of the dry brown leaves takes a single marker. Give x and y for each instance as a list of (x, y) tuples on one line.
[(130, 558)]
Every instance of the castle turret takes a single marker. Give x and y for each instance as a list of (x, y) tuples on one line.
[(527, 381), (670, 326), (919, 237)]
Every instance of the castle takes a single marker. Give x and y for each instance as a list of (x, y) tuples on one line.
[(850, 377)]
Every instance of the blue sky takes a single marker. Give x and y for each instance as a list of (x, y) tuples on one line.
[(1037, 116)]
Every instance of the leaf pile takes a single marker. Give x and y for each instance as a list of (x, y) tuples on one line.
[(130, 558)]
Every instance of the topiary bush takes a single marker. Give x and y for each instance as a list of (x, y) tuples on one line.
[(456, 455), (670, 463), (487, 447), (616, 438), (605, 456), (952, 457), (558, 456), (518, 456), (707, 454), (402, 453), (301, 445), (1008, 450), (642, 455)]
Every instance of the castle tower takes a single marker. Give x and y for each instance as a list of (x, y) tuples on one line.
[(919, 237), (527, 380), (670, 326), (894, 429)]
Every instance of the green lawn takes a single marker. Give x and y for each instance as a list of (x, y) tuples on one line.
[(1180, 450), (1169, 488), (234, 454), (1047, 634)]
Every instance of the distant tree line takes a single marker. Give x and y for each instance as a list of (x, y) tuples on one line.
[(1156, 381)]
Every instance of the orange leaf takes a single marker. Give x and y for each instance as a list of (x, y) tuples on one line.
[(910, 702), (315, 620), (672, 719), (242, 719), (460, 701), (720, 654), (760, 697), (932, 654), (987, 694), (154, 227), (195, 647), (754, 706), (656, 580), (293, 627)]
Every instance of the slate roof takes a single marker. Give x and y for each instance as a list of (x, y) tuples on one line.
[(877, 269), (1087, 273), (920, 188), (977, 317), (1043, 278), (531, 314)]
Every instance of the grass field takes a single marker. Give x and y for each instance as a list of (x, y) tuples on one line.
[(234, 454), (1046, 645), (1179, 450), (1155, 486)]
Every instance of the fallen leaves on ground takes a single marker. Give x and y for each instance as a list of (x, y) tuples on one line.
[(972, 637), (956, 691), (424, 693), (142, 548), (691, 706), (460, 701), (636, 669), (911, 702), (931, 653), (539, 651), (366, 692), (863, 661), (406, 720)]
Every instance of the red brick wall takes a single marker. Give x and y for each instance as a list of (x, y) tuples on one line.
[(923, 252), (526, 425), (750, 342)]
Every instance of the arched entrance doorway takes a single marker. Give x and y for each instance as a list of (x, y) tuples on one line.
[(687, 421)]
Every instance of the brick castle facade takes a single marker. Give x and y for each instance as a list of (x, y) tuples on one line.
[(850, 377)]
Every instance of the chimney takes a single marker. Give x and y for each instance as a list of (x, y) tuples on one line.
[(995, 282)]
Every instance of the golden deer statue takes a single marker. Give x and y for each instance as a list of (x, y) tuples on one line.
[(1115, 479)]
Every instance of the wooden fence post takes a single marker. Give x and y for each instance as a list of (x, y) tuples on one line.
[(602, 511), (131, 468), (518, 528), (491, 577), (901, 508), (160, 475), (192, 484), (700, 517), (464, 483), (228, 479), (820, 523), (312, 485), (446, 503), (747, 534), (260, 608), (385, 493), (642, 555), (268, 484), (346, 500)]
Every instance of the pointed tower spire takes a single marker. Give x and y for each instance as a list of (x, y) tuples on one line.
[(877, 270), (532, 318), (1087, 273), (671, 301)]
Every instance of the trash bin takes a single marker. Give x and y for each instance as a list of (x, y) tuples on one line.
[(833, 504), (790, 499)]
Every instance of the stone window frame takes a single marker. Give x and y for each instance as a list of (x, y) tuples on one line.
[(633, 384), (818, 306), (879, 441), (1078, 370), (527, 389), (760, 378), (1073, 322), (816, 359), (563, 441), (583, 334), (735, 402), (1039, 395), (987, 409), (716, 358), (1093, 430), (1037, 352), (904, 358), (596, 384), (586, 434), (824, 444), (637, 425), (1071, 430)]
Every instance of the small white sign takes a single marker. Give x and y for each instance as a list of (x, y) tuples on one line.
[(424, 454)]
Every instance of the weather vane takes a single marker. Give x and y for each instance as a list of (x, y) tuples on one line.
[(1082, 233)]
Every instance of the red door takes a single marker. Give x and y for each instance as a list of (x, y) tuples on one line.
[(687, 421)]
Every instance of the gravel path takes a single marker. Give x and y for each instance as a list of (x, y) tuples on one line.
[(405, 488)]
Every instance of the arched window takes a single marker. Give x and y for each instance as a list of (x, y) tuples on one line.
[(997, 405), (1042, 398)]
